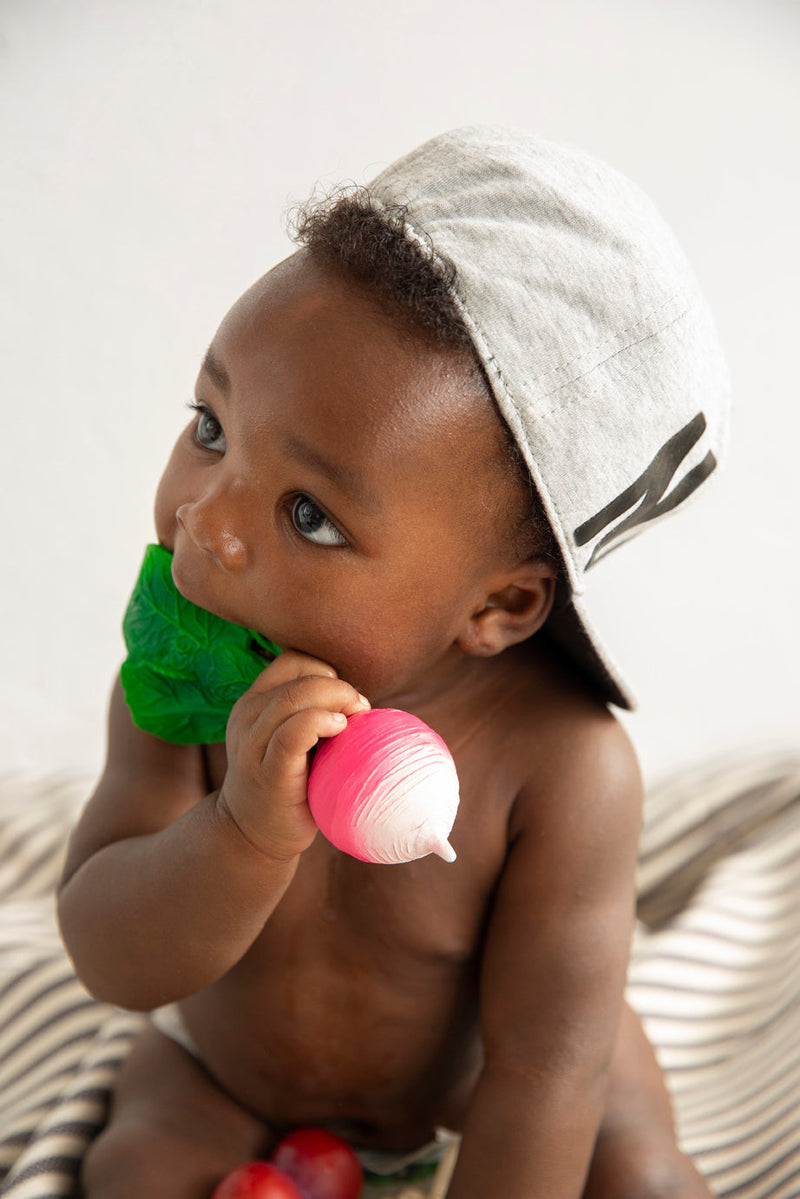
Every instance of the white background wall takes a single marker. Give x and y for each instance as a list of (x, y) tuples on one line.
[(149, 150)]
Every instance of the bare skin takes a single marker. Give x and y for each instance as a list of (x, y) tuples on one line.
[(380, 1002)]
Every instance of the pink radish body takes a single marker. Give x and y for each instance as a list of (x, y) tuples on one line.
[(385, 789)]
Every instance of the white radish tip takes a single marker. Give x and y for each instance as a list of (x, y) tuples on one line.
[(445, 851)]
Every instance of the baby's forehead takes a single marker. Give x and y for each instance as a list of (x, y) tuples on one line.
[(302, 292), (308, 328)]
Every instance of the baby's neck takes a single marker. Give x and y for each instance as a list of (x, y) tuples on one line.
[(458, 683)]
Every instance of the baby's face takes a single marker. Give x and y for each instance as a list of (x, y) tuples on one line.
[(340, 488)]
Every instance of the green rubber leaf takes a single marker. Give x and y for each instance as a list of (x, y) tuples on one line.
[(185, 667)]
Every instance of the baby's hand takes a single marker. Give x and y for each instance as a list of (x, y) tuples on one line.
[(291, 705)]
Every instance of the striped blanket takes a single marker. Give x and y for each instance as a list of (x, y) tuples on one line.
[(715, 973)]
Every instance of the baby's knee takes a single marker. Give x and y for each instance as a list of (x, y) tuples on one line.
[(660, 1178), (628, 1168), (112, 1161), (128, 1161)]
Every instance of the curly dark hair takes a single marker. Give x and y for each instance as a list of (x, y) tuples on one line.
[(369, 242), (351, 231)]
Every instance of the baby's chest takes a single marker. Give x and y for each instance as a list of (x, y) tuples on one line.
[(427, 913)]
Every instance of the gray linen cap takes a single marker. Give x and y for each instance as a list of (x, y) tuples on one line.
[(596, 341)]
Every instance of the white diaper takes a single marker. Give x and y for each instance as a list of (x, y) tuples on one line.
[(169, 1020), (385, 1162)]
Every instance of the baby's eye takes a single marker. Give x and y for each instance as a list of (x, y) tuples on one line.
[(312, 523), (208, 430)]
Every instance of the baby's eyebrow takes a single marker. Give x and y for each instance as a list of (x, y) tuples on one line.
[(343, 477), (216, 372)]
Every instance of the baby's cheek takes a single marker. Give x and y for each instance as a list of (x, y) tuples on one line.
[(165, 505), (388, 651)]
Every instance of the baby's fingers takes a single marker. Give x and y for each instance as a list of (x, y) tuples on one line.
[(286, 754), (288, 666), (265, 783), (258, 715)]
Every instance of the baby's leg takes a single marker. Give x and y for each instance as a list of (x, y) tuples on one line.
[(637, 1155), (172, 1133)]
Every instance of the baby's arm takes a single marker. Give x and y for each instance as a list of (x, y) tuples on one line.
[(553, 977), (166, 887)]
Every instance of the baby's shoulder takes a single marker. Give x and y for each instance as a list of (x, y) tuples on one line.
[(574, 757)]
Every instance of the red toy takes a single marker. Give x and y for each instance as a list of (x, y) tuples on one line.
[(309, 1163), (320, 1164), (257, 1180)]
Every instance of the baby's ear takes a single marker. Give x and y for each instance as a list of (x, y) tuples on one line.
[(513, 612)]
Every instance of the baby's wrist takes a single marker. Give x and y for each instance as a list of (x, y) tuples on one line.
[(276, 851)]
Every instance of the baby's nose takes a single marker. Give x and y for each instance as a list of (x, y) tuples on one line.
[(212, 526)]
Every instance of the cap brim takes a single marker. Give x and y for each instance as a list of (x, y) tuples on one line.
[(569, 627)]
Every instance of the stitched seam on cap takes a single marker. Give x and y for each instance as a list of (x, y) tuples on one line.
[(594, 350), (588, 374)]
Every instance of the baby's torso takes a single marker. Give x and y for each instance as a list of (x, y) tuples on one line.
[(357, 1007)]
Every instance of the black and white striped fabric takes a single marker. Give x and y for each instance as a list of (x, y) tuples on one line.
[(59, 1049), (715, 973)]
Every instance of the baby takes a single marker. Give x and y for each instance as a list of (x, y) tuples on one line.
[(410, 440)]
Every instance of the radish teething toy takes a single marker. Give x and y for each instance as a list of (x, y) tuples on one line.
[(385, 789), (310, 1163), (257, 1180), (321, 1165)]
